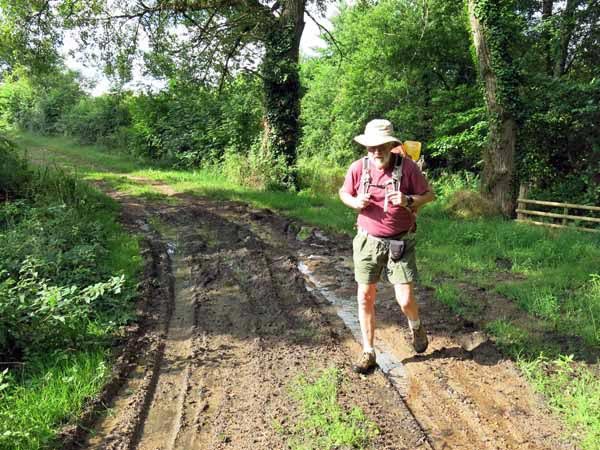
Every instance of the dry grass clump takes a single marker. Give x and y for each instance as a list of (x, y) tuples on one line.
[(470, 205)]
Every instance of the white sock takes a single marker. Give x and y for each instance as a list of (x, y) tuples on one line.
[(414, 324), (368, 349)]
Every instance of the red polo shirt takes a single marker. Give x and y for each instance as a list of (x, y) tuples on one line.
[(372, 218)]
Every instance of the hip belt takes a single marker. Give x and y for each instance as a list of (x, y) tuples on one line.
[(396, 245), (402, 235)]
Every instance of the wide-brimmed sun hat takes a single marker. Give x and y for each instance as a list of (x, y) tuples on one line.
[(377, 132)]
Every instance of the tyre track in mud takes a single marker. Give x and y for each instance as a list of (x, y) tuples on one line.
[(236, 324)]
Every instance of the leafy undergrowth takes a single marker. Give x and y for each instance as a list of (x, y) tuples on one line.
[(67, 279), (324, 423), (552, 276)]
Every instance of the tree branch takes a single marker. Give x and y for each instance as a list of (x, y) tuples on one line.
[(326, 31), (228, 57)]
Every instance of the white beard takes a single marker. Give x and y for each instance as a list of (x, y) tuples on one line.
[(379, 163)]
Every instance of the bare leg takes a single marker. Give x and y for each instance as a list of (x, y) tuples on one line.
[(366, 313), (406, 299)]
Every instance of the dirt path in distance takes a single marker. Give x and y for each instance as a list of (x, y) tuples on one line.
[(231, 321)]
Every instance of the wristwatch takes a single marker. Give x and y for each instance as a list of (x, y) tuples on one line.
[(409, 200)]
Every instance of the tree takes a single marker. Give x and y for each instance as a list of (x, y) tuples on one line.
[(493, 28), (28, 37), (205, 41), (403, 60), (220, 38)]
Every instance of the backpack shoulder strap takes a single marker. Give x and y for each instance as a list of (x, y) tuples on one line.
[(397, 173), (365, 179), (397, 180)]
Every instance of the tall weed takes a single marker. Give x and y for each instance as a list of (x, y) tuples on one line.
[(14, 173), (258, 169), (446, 184), (319, 177)]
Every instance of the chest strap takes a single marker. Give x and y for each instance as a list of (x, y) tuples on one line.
[(365, 179)]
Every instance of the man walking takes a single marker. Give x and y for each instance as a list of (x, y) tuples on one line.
[(385, 188)]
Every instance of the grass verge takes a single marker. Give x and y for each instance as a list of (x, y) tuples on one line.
[(572, 390), (48, 393), (67, 280)]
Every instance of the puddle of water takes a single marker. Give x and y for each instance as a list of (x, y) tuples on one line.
[(347, 310), (171, 248)]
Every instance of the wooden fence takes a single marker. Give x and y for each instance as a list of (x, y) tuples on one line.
[(555, 219)]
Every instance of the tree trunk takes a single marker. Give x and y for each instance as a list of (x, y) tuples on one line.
[(547, 7), (282, 84), (497, 178), (567, 26)]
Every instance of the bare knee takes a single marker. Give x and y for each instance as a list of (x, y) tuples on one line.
[(404, 294), (366, 295)]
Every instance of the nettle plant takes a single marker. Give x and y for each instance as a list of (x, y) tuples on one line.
[(36, 314)]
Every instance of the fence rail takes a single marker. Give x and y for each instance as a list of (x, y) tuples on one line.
[(566, 219)]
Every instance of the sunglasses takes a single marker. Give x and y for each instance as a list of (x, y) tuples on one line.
[(380, 148)]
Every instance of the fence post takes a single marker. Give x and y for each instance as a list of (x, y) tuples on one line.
[(523, 191)]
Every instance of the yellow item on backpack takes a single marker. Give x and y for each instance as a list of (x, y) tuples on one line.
[(412, 149)]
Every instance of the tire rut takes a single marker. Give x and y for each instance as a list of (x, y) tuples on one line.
[(163, 419)]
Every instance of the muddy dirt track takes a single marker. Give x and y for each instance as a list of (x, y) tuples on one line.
[(227, 321)]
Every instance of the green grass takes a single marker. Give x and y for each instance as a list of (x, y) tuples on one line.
[(553, 276), (324, 423), (550, 273), (510, 338), (42, 150), (573, 391), (50, 391), (450, 294)]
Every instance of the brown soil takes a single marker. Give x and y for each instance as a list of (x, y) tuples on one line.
[(228, 322)]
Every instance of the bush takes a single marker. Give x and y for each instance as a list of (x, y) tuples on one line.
[(259, 169), (14, 173), (30, 105), (559, 143), (194, 125), (99, 120), (36, 316), (58, 286), (447, 184)]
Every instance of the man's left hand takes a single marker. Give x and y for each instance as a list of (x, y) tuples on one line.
[(398, 199)]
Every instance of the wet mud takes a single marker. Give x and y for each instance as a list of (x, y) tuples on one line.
[(234, 307)]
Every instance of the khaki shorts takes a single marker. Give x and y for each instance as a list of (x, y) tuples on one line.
[(371, 259)]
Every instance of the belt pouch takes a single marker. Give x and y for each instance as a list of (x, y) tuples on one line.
[(397, 247)]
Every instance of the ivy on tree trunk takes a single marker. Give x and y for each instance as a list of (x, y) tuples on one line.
[(491, 24), (282, 85)]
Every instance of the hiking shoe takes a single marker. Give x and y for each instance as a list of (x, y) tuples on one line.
[(365, 364), (419, 339)]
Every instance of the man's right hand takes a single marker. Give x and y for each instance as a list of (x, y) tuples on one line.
[(361, 201)]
